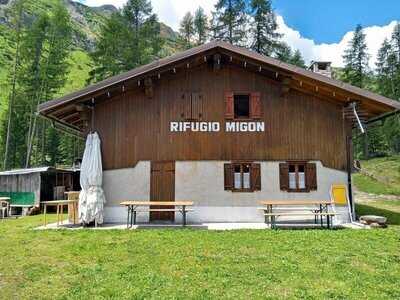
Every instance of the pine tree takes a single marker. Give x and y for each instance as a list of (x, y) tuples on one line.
[(355, 72), (297, 59), (356, 59), (145, 40), (387, 85), (214, 26), (44, 52), (187, 30), (283, 52), (17, 10), (129, 38), (111, 48), (386, 70), (230, 20), (33, 73), (200, 26), (395, 60), (264, 35)]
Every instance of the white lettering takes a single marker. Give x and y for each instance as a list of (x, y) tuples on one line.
[(252, 126), (203, 127), (243, 127), (194, 126), (174, 126), (216, 126), (229, 126), (186, 126), (260, 126)]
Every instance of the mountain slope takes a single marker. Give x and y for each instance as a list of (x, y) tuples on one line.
[(86, 23)]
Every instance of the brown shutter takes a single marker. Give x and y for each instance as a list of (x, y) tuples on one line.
[(255, 177), (228, 177), (311, 176), (229, 110), (197, 107), (255, 105), (284, 176)]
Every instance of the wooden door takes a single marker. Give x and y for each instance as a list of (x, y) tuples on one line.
[(162, 188)]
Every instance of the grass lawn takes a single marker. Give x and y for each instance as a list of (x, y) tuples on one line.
[(386, 171), (197, 264)]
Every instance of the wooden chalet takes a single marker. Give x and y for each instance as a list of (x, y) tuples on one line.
[(223, 127)]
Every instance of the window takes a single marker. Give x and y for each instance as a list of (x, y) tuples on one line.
[(242, 106), (298, 176), (242, 177)]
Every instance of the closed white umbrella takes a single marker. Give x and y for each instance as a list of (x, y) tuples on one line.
[(91, 197)]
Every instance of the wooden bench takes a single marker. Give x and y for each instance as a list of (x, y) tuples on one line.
[(133, 205), (292, 205)]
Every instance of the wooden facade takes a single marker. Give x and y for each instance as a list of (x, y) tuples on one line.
[(307, 116), (298, 126)]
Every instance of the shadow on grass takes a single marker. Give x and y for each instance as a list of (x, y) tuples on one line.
[(392, 216)]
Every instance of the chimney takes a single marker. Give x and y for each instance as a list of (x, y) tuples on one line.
[(321, 67)]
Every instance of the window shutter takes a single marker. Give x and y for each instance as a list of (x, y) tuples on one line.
[(197, 107), (284, 176), (228, 177), (229, 110), (311, 176), (255, 179), (255, 105)]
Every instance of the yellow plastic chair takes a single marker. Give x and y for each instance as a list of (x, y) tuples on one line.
[(339, 197), (339, 194)]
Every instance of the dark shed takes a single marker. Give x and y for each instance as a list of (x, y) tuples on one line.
[(28, 187)]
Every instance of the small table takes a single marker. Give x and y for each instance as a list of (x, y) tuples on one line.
[(133, 205), (6, 201), (60, 206)]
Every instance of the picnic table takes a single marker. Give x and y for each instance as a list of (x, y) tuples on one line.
[(321, 210), (179, 206), (60, 206)]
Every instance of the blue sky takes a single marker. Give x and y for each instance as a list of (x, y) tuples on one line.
[(328, 21), (320, 29)]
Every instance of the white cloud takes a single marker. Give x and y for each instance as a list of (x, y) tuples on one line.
[(334, 52), (171, 12)]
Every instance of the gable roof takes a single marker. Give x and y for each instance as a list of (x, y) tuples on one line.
[(381, 103)]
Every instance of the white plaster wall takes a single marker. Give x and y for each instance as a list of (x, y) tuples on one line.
[(203, 183), (126, 184)]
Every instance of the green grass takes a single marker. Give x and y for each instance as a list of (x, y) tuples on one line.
[(197, 264), (386, 173), (387, 208), (369, 185)]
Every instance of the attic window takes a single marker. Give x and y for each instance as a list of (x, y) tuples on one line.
[(242, 106), (323, 67)]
